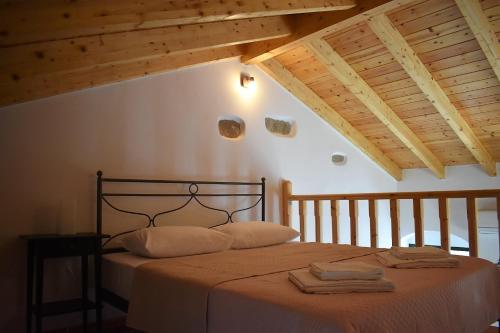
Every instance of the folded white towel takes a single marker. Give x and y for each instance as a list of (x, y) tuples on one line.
[(354, 270), (412, 253), (389, 260), (308, 283)]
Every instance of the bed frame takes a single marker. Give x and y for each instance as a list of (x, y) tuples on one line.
[(193, 194)]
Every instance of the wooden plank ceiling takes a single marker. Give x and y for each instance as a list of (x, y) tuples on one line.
[(54, 46), (416, 81), (412, 83)]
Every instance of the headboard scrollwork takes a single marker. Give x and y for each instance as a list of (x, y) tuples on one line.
[(193, 194)]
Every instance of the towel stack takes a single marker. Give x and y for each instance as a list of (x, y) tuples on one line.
[(340, 277), (417, 257)]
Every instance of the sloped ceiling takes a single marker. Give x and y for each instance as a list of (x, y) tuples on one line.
[(413, 84), (415, 81)]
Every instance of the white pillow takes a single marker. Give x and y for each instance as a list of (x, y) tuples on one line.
[(165, 242), (248, 235)]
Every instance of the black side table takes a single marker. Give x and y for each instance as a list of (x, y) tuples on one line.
[(41, 247)]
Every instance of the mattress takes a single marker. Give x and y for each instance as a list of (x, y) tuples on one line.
[(118, 272)]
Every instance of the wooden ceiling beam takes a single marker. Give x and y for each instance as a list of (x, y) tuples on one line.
[(403, 53), (68, 55), (277, 71), (343, 72), (57, 83), (35, 21), (482, 30), (317, 25)]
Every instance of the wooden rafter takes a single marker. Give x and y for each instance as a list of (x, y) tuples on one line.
[(277, 71), (483, 31), (39, 86), (67, 55), (32, 21), (402, 52), (339, 68), (318, 25)]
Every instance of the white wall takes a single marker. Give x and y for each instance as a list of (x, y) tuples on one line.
[(163, 126), (471, 177), (465, 177)]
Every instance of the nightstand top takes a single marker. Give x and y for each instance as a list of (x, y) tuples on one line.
[(62, 236)]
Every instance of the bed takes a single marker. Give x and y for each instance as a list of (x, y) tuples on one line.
[(248, 290)]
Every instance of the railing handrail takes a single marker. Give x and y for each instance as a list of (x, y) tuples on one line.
[(442, 196), (489, 193)]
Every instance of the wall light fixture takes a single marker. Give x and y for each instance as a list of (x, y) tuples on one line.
[(247, 81)]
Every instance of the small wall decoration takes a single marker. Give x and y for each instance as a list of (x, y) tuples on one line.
[(279, 125), (339, 159), (231, 127)]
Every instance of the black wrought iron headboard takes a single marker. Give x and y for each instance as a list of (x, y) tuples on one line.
[(192, 195)]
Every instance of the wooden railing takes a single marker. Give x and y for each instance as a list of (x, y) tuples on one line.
[(393, 197)]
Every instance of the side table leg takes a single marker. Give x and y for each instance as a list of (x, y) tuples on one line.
[(29, 289), (85, 278), (98, 295), (39, 293)]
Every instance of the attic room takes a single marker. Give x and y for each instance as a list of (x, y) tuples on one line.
[(274, 166)]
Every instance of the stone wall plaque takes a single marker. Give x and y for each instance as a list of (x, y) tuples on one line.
[(281, 126), (231, 127)]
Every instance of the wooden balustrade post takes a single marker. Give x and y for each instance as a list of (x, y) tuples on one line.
[(286, 192), (472, 224), (444, 223), (353, 214), (498, 220), (372, 212), (335, 221), (417, 198), (394, 204), (302, 217), (419, 226), (317, 221)]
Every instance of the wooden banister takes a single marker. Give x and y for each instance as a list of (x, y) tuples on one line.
[(472, 224), (286, 192), (353, 214), (398, 195), (443, 223), (441, 196), (302, 217), (395, 222), (372, 212), (498, 221), (317, 221), (419, 226), (335, 221)]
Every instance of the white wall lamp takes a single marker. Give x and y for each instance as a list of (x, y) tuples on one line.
[(247, 81)]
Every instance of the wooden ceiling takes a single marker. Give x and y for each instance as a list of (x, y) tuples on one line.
[(412, 83), (418, 86), (55, 46)]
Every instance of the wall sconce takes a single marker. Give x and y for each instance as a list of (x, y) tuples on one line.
[(247, 81)]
